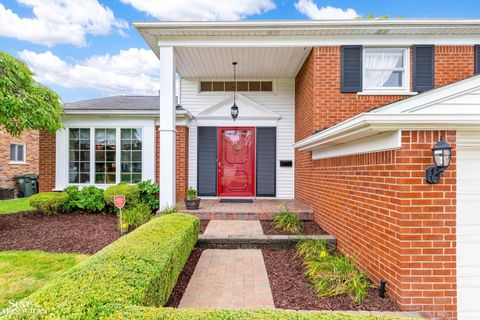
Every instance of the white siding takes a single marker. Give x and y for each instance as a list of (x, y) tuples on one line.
[(468, 225), (282, 102)]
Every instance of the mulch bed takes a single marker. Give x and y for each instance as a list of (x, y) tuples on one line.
[(203, 225), (184, 278), (73, 232), (308, 228), (291, 289)]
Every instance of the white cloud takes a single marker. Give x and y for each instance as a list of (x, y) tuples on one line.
[(201, 9), (311, 10), (132, 71), (59, 21)]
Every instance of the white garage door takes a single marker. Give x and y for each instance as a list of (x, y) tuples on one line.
[(468, 225)]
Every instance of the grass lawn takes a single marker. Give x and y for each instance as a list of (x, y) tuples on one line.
[(15, 205), (23, 272)]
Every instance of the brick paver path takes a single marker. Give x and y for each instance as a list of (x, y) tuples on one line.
[(229, 279), (224, 228)]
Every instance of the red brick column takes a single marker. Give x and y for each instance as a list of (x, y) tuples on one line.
[(47, 163), (182, 160)]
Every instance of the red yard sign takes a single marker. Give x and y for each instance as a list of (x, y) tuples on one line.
[(119, 201)]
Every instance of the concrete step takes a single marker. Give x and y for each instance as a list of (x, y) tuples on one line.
[(259, 241)]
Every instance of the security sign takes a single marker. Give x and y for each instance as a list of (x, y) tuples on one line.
[(119, 201)]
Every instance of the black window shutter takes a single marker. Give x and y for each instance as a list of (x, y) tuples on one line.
[(351, 69), (207, 161), (423, 67), (266, 161), (477, 59)]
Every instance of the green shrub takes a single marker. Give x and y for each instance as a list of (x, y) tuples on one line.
[(140, 269), (331, 273), (49, 202), (287, 221), (74, 195), (130, 191), (191, 193), (134, 217), (89, 198), (169, 210), (134, 313), (149, 194)]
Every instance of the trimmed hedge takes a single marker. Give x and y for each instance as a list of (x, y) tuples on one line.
[(49, 202), (133, 313), (140, 268)]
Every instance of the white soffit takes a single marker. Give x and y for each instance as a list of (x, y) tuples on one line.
[(253, 62)]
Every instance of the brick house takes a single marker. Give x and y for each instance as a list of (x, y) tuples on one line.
[(340, 115), (18, 155)]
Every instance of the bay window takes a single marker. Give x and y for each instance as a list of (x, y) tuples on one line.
[(104, 156), (386, 69)]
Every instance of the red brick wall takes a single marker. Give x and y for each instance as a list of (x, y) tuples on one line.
[(385, 215), (321, 73), (9, 170), (378, 205), (182, 160), (46, 181), (453, 63)]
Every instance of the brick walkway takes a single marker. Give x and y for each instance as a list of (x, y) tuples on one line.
[(225, 228), (229, 279)]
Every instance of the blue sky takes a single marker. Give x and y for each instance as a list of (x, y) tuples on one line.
[(89, 48)]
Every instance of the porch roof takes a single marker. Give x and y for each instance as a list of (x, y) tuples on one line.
[(279, 48)]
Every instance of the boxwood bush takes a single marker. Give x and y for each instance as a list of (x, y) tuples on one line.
[(49, 202), (140, 268), (133, 313), (130, 191)]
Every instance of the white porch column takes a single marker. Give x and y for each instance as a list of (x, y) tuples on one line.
[(167, 127)]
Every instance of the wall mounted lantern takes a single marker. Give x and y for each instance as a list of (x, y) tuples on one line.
[(234, 108), (442, 156)]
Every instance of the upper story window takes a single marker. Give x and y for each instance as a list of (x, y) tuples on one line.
[(228, 86), (17, 153), (386, 69)]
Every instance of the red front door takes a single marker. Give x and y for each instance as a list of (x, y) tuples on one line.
[(236, 162)]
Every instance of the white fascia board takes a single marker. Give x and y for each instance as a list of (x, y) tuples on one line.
[(368, 124), (375, 143), (431, 97), (315, 41), (129, 113), (272, 26)]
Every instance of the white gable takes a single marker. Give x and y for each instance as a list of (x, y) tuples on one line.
[(462, 97), (248, 110)]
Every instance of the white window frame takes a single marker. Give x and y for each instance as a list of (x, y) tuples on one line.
[(16, 161), (405, 89), (62, 147)]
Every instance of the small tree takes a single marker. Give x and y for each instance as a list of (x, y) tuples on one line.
[(24, 104)]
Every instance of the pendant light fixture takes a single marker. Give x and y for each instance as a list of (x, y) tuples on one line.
[(234, 108)]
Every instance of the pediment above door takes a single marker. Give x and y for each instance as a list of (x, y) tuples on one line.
[(249, 110)]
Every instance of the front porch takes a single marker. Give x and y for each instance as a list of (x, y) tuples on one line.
[(259, 209)]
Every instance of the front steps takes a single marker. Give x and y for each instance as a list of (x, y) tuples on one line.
[(259, 209), (258, 241)]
